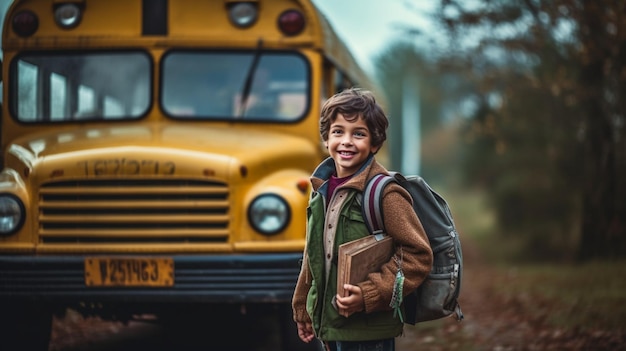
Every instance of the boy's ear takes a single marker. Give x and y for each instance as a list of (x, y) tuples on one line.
[(374, 149)]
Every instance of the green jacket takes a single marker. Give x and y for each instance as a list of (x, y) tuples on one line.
[(341, 221)]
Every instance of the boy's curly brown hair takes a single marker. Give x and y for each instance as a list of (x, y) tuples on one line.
[(355, 103)]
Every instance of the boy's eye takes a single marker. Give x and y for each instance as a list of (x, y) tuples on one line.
[(336, 131), (360, 134)]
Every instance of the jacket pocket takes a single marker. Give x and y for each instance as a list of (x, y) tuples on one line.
[(353, 225)]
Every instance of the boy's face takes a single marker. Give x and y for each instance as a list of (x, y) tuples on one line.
[(349, 144)]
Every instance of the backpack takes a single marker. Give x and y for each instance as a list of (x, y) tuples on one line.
[(437, 296)]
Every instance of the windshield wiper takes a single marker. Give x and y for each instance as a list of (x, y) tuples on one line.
[(249, 79)]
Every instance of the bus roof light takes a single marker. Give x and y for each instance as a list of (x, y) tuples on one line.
[(291, 22), (67, 15), (243, 14), (25, 23)]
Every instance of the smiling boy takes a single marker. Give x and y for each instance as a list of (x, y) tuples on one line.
[(353, 127)]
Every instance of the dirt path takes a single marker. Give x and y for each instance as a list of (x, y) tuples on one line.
[(494, 323)]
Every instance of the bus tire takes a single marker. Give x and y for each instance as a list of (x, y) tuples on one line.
[(25, 326)]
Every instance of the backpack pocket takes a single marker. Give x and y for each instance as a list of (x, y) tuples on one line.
[(436, 297)]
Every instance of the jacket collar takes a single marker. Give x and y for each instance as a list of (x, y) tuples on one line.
[(323, 172)]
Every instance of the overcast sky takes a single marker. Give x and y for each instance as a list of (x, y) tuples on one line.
[(368, 26)]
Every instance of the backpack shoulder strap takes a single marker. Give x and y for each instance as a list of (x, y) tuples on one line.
[(372, 201)]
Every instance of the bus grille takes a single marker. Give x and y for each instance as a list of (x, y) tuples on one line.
[(133, 211)]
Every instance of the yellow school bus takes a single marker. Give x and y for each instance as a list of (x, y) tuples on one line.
[(156, 153)]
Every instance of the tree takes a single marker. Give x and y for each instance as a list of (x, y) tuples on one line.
[(549, 124)]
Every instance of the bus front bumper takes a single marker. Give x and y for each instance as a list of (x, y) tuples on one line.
[(241, 278)]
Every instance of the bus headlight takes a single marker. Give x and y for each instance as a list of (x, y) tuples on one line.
[(67, 15), (11, 214), (243, 14), (269, 214)]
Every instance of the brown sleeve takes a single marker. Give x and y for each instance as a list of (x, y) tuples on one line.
[(298, 302), (411, 242)]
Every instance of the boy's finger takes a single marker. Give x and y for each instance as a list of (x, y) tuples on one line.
[(340, 304), (353, 289)]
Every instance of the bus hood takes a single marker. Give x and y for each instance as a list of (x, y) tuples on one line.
[(159, 150)]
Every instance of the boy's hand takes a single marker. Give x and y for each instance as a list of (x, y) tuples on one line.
[(305, 332), (352, 303)]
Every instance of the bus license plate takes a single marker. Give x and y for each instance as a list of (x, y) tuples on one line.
[(122, 271)]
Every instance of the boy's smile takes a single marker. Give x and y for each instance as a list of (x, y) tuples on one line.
[(349, 144)]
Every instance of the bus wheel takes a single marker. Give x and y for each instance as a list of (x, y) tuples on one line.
[(289, 334), (25, 326)]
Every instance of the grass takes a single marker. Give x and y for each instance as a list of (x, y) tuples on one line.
[(586, 296)]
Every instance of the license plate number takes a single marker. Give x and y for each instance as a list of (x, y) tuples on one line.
[(150, 272)]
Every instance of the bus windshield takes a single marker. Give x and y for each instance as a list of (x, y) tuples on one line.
[(64, 87), (211, 84)]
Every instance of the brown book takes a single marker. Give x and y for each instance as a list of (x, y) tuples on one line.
[(360, 257)]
